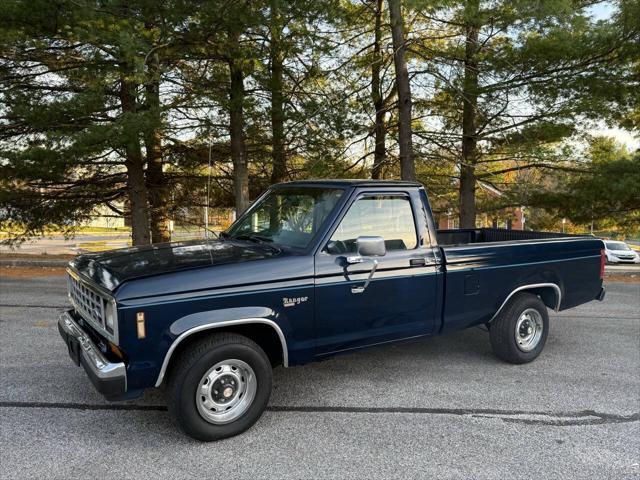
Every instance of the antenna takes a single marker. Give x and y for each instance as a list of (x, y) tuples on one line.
[(206, 207)]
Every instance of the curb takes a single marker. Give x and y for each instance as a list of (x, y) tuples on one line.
[(21, 262), (625, 273)]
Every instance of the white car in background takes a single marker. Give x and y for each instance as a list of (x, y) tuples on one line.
[(620, 252)]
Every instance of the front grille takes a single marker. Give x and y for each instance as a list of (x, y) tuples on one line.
[(93, 307)]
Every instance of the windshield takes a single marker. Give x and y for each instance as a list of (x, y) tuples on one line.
[(617, 246), (289, 216)]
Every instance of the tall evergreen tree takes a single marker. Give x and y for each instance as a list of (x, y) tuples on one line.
[(81, 93), (506, 77), (130, 101), (403, 86)]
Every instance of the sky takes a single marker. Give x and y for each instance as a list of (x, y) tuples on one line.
[(602, 10), (630, 139)]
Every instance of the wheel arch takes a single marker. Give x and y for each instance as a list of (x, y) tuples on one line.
[(549, 293), (263, 331)]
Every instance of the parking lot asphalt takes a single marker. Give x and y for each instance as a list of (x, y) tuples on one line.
[(442, 407)]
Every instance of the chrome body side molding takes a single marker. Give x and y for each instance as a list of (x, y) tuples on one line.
[(532, 286), (211, 326)]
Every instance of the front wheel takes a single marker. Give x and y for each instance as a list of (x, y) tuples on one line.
[(219, 387), (519, 332)]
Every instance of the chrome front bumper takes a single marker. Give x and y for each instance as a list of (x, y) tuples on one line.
[(110, 379)]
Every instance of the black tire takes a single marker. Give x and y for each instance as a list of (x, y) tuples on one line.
[(502, 330), (191, 366)]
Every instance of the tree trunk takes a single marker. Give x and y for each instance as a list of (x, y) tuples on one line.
[(137, 190), (155, 179), (379, 152), (277, 100), (236, 132), (407, 166), (469, 113), (138, 201)]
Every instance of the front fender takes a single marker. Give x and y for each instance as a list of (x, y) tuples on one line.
[(208, 320)]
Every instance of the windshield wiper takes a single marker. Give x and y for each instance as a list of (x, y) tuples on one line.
[(257, 238)]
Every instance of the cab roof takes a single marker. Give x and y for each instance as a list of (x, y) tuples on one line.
[(350, 183)]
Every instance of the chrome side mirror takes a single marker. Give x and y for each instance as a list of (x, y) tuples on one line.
[(371, 246), (368, 247)]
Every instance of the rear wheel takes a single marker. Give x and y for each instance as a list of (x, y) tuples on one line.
[(219, 387), (519, 332)]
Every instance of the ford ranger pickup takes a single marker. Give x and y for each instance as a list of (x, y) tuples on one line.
[(312, 269)]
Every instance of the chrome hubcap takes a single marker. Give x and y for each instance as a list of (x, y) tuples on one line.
[(529, 329), (226, 391)]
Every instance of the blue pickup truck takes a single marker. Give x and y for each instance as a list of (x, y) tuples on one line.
[(312, 269)]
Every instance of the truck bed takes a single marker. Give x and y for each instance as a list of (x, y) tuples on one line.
[(485, 265), (487, 235)]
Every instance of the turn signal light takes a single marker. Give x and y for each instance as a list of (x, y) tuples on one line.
[(116, 351), (140, 325)]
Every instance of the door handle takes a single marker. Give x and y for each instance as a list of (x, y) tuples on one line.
[(418, 262)]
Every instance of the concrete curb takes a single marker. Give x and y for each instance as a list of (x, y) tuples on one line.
[(625, 273), (24, 262)]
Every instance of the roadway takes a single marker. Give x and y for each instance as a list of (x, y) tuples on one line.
[(443, 407)]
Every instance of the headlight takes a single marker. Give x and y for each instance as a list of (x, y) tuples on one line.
[(110, 317)]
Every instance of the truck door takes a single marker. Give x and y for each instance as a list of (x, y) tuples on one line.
[(400, 301)]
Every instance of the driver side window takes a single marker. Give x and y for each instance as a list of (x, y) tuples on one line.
[(386, 216)]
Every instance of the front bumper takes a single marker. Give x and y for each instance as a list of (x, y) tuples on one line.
[(110, 379), (614, 259)]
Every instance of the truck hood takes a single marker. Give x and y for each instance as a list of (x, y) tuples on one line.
[(110, 269)]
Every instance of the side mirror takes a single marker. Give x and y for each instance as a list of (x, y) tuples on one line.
[(371, 246)]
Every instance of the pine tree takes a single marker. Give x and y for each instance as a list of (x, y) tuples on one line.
[(506, 78)]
